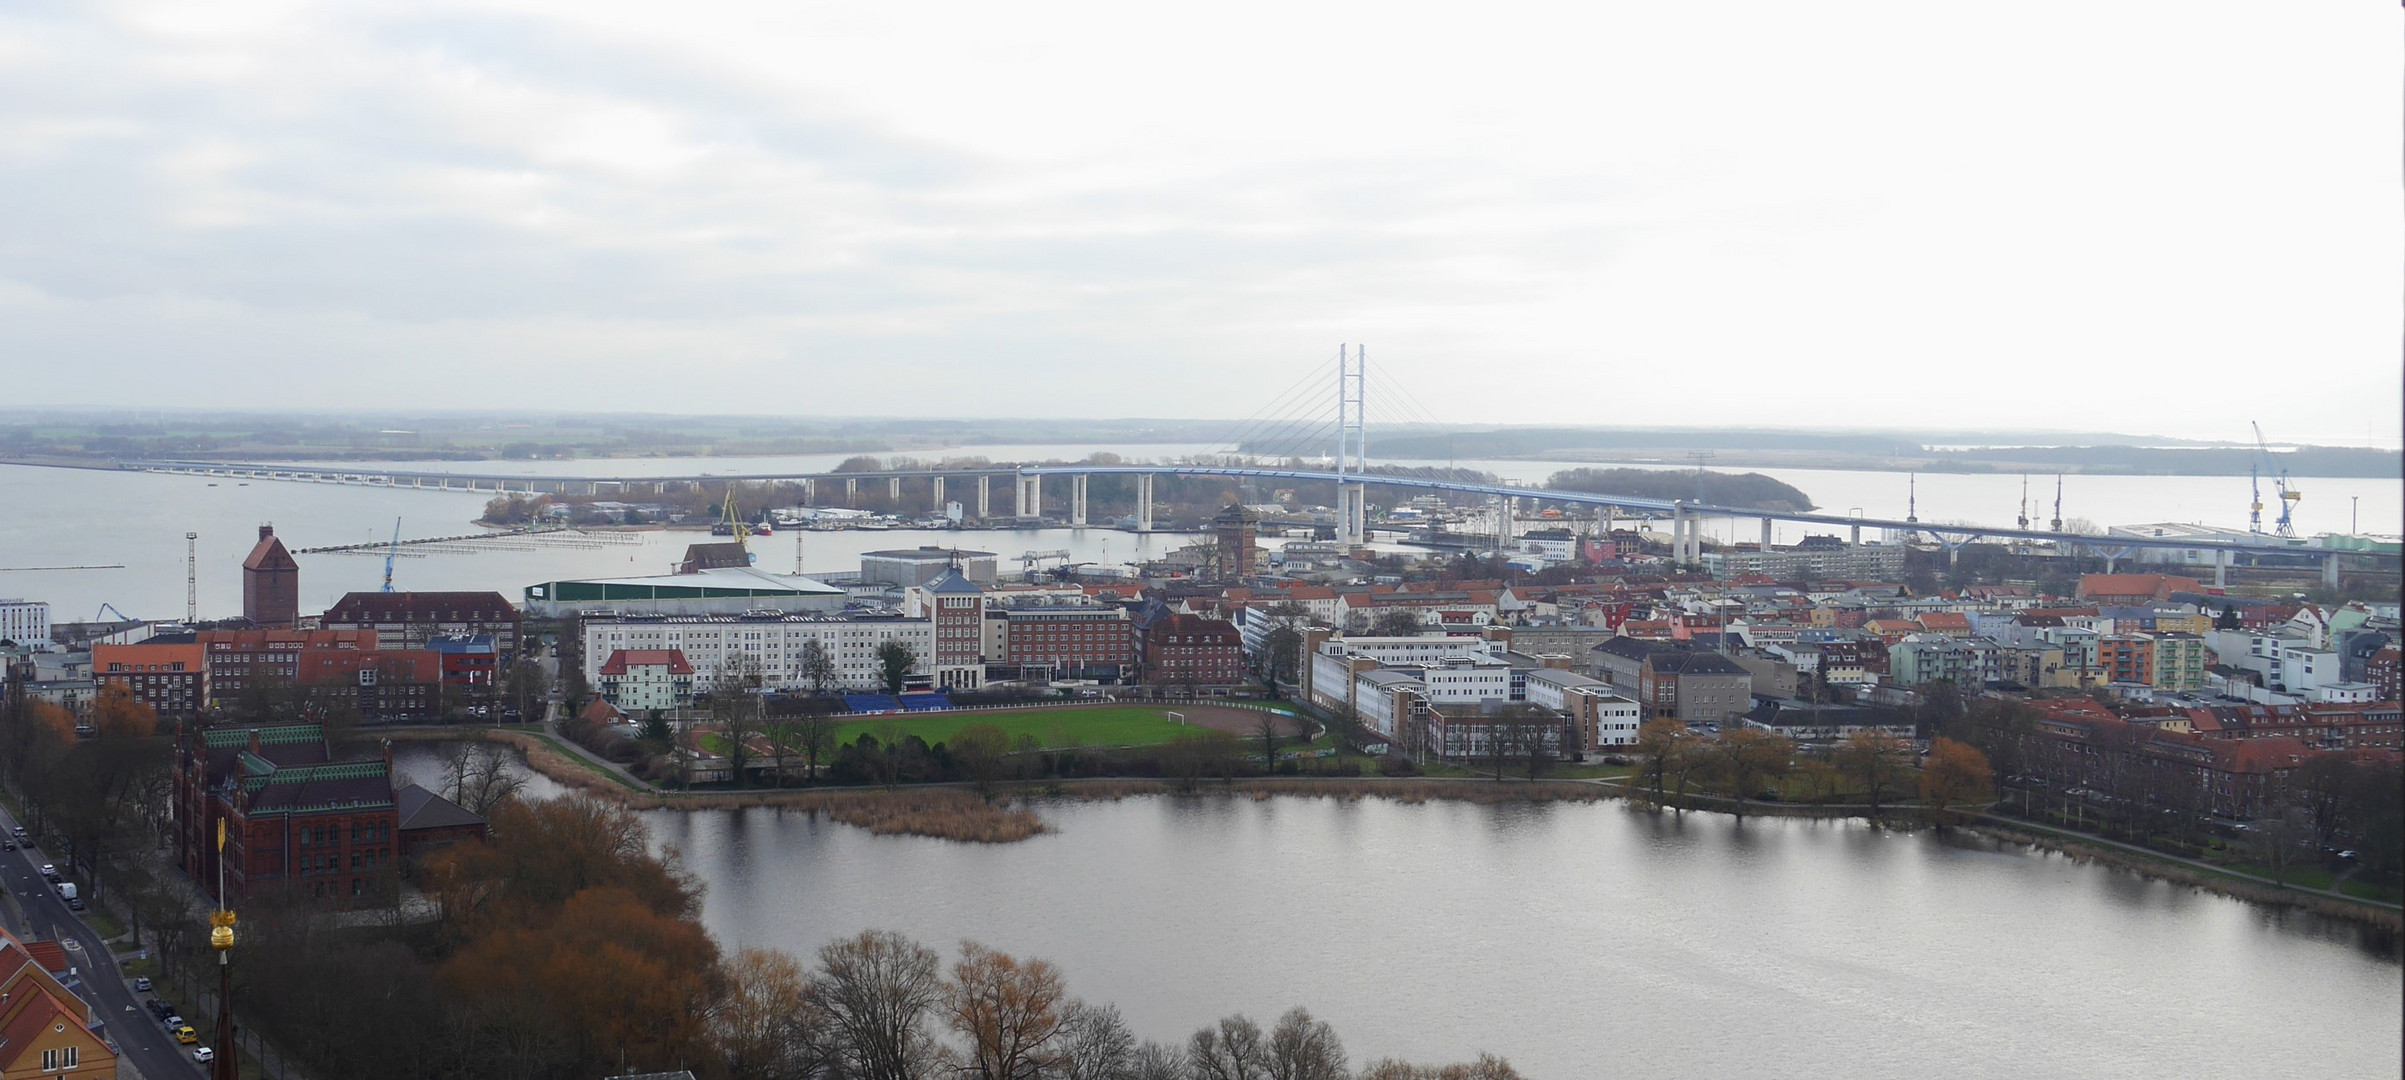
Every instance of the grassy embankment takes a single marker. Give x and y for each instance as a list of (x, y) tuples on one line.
[(1053, 729)]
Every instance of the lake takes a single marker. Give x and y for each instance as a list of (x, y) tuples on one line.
[(1585, 940)]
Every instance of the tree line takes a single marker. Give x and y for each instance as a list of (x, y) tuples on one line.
[(1871, 766)]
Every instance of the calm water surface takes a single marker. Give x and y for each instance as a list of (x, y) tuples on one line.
[(1593, 940)]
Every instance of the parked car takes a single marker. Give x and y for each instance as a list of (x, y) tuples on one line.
[(50, 871), (173, 1021), (8, 845), (75, 903), (142, 984), (203, 1054), (159, 1009), (185, 1035)]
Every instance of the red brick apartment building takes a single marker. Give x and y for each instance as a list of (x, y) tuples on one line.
[(169, 677), (1189, 650)]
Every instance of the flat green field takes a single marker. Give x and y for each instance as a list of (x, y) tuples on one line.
[(1109, 725)]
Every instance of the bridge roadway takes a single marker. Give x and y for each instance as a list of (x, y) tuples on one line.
[(1958, 534), (1684, 514)]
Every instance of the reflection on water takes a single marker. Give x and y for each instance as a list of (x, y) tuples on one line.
[(1568, 934)]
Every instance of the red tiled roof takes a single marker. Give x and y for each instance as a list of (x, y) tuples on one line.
[(622, 659), (268, 554), (50, 954)]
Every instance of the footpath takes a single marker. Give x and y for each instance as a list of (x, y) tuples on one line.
[(2198, 865)]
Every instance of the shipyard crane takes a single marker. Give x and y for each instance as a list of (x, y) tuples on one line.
[(735, 525), (106, 607), (2057, 524), (2279, 483), (2024, 519), (392, 553)]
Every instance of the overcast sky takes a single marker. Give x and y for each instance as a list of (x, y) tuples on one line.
[(2162, 217)]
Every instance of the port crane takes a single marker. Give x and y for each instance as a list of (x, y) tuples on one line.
[(2279, 480), (106, 607), (392, 553)]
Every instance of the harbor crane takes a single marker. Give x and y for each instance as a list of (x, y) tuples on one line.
[(106, 607), (392, 553), (2279, 480)]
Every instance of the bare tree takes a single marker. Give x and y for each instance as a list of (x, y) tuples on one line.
[(1157, 1061), (1231, 1050), (1095, 1044), (878, 989), (769, 1023), (1008, 1011), (1301, 1048), (479, 775), (816, 667), (736, 708)]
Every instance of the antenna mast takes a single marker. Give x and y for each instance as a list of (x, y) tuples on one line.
[(191, 578), (2058, 503), (2024, 500), (1912, 497)]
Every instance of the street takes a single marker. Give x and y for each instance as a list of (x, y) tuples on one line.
[(140, 1039)]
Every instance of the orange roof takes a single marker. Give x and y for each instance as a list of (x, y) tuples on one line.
[(145, 657), (1945, 620)]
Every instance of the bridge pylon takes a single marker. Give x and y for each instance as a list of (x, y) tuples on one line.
[(1352, 445)]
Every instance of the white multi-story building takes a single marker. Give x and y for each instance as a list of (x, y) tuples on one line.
[(1467, 680), (26, 622), (1600, 718), (772, 645)]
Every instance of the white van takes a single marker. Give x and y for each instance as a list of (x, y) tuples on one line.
[(66, 890)]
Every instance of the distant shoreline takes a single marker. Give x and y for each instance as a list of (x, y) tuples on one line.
[(1663, 459)]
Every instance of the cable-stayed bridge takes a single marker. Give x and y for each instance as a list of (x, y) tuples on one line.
[(1286, 441)]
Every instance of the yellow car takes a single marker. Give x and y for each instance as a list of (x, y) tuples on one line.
[(186, 1035)]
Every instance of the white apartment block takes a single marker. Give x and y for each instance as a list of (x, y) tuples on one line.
[(773, 644), (26, 622)]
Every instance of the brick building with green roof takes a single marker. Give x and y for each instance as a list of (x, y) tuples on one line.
[(297, 822)]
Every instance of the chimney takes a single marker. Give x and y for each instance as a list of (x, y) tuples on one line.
[(255, 741), (266, 531)]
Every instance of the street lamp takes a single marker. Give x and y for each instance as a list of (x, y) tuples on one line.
[(226, 1064)]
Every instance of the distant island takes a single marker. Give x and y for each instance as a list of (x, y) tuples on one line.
[(1970, 452), (1751, 491)]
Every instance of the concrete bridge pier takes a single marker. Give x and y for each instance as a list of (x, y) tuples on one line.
[(1031, 497), (1077, 501), (1678, 535), (893, 491), (985, 497), (2112, 557), (851, 491), (1766, 536), (1143, 502), (2221, 569), (809, 492), (935, 494), (1953, 546), (2329, 570), (1856, 540)]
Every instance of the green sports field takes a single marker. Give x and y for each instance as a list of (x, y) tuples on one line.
[(1103, 725)]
